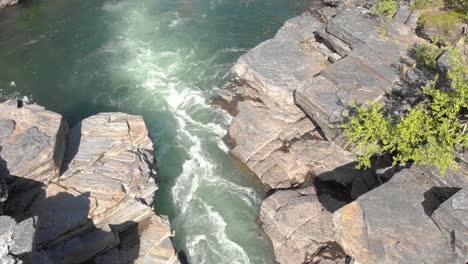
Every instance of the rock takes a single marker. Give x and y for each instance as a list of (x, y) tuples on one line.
[(154, 244), (403, 14), (270, 73), (389, 224), (443, 62), (297, 224), (7, 225), (107, 187), (16, 240), (32, 142), (23, 237), (367, 73), (453, 178), (276, 67), (6, 3), (452, 219)]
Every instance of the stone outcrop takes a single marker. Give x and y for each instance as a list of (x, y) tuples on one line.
[(99, 205), (32, 141), (299, 227), (367, 73), (285, 149), (451, 218), (320, 61), (390, 224)]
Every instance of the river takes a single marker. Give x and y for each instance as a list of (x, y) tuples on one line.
[(163, 59)]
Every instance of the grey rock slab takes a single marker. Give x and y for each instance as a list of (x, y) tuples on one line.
[(299, 28), (278, 67), (6, 127), (389, 224), (353, 27), (23, 237), (297, 224), (34, 147), (452, 219), (7, 225), (402, 14)]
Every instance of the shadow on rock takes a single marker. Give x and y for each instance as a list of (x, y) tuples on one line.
[(435, 196), (55, 228)]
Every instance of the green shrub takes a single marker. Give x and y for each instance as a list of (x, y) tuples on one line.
[(429, 133), (461, 5), (443, 21), (423, 4), (426, 55), (386, 8)]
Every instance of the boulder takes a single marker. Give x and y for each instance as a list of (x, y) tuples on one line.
[(298, 225), (106, 189), (32, 141), (452, 219), (390, 224), (16, 240)]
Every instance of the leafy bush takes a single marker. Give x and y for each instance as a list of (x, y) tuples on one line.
[(429, 133), (426, 55), (386, 8)]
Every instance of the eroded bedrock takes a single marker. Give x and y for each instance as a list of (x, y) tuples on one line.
[(98, 205), (369, 71), (403, 221), (300, 228), (270, 133), (32, 141)]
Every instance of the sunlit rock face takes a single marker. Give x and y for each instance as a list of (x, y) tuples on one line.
[(100, 205), (6, 3)]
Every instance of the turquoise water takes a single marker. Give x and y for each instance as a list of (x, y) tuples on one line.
[(162, 59)]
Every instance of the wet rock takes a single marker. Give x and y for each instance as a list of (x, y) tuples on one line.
[(390, 225), (297, 224), (32, 141), (452, 219)]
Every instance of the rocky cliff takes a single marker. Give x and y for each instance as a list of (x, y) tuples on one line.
[(290, 94), (77, 196)]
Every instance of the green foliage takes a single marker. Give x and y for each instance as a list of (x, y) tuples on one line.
[(426, 55), (461, 5), (429, 133), (446, 24), (386, 8), (442, 21), (423, 4)]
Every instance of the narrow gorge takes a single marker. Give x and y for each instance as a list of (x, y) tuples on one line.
[(211, 131)]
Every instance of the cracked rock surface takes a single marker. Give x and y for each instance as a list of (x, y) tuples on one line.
[(299, 227), (98, 205)]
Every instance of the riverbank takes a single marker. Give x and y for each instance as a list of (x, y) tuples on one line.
[(290, 94), (78, 195)]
